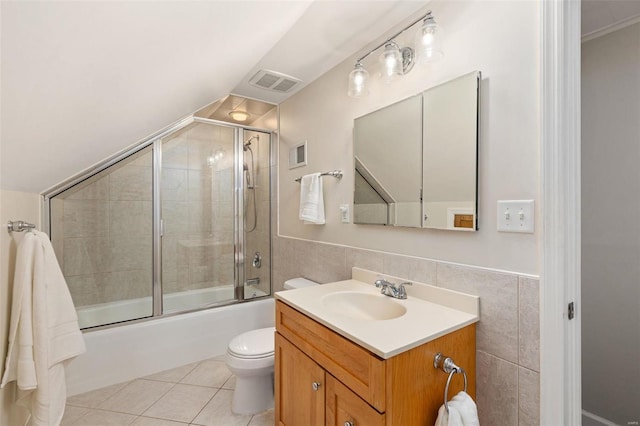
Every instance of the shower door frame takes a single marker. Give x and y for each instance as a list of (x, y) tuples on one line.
[(155, 141)]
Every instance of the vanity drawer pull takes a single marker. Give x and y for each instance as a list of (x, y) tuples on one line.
[(316, 385), (349, 423)]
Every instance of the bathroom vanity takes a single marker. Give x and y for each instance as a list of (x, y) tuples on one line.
[(346, 355)]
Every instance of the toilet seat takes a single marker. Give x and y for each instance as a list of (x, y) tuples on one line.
[(253, 344)]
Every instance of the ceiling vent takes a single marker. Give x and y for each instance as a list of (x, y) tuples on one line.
[(274, 81)]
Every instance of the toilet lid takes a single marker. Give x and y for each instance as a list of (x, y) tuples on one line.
[(253, 344)]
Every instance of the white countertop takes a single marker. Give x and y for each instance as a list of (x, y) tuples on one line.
[(431, 312)]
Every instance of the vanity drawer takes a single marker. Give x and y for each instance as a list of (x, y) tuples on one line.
[(359, 369)]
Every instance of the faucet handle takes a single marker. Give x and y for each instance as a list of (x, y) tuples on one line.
[(402, 293), (382, 283), (388, 289)]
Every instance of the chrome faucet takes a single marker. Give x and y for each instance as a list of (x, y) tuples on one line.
[(390, 289)]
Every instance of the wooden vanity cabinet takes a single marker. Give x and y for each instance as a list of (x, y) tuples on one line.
[(322, 378), (301, 386)]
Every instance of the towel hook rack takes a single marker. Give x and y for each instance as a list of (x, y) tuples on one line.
[(19, 226), (334, 173), (447, 365)]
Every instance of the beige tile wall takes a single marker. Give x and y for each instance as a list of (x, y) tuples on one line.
[(508, 342)]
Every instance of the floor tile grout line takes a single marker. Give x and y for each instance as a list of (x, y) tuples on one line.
[(204, 406), (195, 365), (156, 401), (124, 385), (90, 409), (136, 414), (161, 418)]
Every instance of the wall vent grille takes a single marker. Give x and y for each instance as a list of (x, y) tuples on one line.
[(274, 81)]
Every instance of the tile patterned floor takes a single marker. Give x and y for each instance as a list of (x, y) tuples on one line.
[(194, 394)]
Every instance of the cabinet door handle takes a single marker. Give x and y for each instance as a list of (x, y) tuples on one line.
[(349, 423), (315, 385)]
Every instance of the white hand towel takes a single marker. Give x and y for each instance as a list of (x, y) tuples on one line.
[(311, 199), (467, 409), (452, 418), (462, 412), (43, 333)]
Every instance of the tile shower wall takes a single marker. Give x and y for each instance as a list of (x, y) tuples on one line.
[(508, 367)]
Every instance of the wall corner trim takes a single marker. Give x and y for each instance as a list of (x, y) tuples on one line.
[(560, 381)]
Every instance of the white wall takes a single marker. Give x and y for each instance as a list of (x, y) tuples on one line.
[(610, 226), (13, 206), (501, 39)]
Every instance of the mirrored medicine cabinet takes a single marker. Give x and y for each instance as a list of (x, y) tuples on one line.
[(416, 160)]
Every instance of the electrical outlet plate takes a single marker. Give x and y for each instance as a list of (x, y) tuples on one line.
[(344, 213), (515, 216)]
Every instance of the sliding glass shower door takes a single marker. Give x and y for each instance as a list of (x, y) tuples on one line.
[(178, 223), (198, 216), (101, 231)]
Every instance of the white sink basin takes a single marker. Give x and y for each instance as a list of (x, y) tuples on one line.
[(361, 305)]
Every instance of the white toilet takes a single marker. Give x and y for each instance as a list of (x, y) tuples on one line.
[(250, 356)]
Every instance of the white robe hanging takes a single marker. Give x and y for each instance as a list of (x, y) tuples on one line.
[(43, 332)]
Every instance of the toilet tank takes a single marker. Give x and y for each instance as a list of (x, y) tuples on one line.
[(298, 283)]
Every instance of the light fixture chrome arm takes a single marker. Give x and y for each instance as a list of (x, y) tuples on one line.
[(397, 61), (422, 18)]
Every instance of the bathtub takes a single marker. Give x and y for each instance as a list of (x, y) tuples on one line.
[(123, 310), (126, 352)]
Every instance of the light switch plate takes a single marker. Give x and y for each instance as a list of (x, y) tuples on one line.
[(515, 216)]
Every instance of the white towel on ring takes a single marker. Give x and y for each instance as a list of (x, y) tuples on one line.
[(311, 199), (462, 412)]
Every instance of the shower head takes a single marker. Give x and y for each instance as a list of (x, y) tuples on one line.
[(247, 143)]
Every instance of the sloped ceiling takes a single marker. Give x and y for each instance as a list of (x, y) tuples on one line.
[(83, 80)]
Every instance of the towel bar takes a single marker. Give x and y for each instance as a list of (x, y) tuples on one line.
[(335, 173), (19, 226), (447, 365)]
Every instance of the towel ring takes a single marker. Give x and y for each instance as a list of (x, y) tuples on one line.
[(446, 388), (447, 365)]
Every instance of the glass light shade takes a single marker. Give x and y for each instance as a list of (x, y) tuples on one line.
[(391, 61), (358, 79), (428, 44)]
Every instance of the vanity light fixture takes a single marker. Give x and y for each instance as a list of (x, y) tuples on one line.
[(397, 61), (358, 79), (391, 60), (428, 42)]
